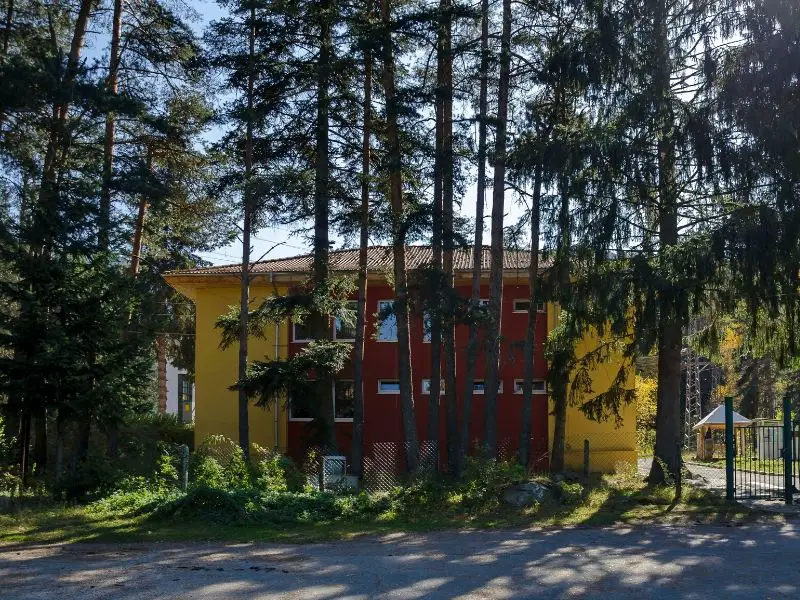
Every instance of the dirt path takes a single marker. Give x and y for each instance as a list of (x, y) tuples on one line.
[(758, 561)]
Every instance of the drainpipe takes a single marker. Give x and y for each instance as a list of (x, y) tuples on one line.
[(275, 408)]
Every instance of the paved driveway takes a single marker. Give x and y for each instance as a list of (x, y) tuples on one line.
[(758, 561)]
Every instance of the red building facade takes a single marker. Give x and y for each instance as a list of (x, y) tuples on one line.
[(382, 410)]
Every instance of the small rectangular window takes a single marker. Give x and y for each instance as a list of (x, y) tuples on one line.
[(299, 411), (521, 306), (387, 327), (426, 328), (483, 302), (388, 386), (343, 399), (346, 331), (479, 387), (539, 386), (426, 386), (300, 333)]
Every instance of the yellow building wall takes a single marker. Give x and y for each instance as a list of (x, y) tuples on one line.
[(609, 444), (217, 407)]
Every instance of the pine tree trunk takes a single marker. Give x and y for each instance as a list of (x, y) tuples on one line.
[(320, 324), (448, 327), (498, 212), (361, 318), (247, 225), (398, 239), (530, 332), (435, 310), (108, 148), (670, 327), (477, 250), (559, 386)]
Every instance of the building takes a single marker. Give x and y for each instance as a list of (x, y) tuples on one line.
[(215, 289)]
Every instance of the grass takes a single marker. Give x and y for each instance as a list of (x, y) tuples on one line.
[(743, 463), (605, 501)]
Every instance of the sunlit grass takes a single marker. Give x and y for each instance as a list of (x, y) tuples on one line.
[(606, 500)]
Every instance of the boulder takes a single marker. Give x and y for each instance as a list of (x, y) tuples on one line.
[(525, 494)]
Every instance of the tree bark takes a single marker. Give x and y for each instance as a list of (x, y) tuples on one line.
[(448, 326), (244, 292), (357, 460), (435, 295), (398, 238), (530, 332), (498, 213), (667, 457), (477, 250), (320, 324), (108, 148)]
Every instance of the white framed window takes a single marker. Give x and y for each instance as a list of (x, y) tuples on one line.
[(539, 386), (426, 386), (344, 331), (388, 386), (426, 328), (483, 302), (297, 412), (521, 306), (387, 327), (479, 386), (343, 399), (300, 332)]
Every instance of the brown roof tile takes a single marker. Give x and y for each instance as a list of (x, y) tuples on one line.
[(379, 258)]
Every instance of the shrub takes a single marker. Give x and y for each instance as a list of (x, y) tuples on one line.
[(278, 473), (133, 495), (93, 478), (486, 480), (219, 463), (568, 493)]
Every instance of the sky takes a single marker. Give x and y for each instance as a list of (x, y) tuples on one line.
[(277, 242)]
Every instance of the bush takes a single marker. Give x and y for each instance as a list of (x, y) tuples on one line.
[(486, 480), (278, 473), (568, 493), (93, 478), (219, 463)]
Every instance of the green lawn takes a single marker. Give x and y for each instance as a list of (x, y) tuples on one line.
[(605, 501), (744, 463)]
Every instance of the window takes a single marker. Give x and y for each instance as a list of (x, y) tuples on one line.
[(426, 386), (426, 328), (483, 302), (387, 327), (539, 386), (184, 398), (479, 387), (301, 333), (346, 331), (343, 399), (388, 386), (299, 410), (521, 306)]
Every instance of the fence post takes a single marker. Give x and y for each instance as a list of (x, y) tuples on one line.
[(729, 490), (788, 443), (586, 458), (184, 467)]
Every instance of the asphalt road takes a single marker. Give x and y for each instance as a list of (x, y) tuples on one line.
[(758, 561)]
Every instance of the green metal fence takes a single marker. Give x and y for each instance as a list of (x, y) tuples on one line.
[(762, 459)]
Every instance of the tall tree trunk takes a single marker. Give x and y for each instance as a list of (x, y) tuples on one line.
[(448, 326), (560, 381), (435, 309), (320, 324), (247, 225), (477, 250), (530, 332), (138, 228), (398, 239), (108, 148), (670, 327), (498, 212), (363, 247)]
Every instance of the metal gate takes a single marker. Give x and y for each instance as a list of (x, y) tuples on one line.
[(762, 458)]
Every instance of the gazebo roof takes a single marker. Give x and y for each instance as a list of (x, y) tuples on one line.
[(716, 419)]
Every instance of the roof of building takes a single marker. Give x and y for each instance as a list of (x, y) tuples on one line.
[(379, 258)]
